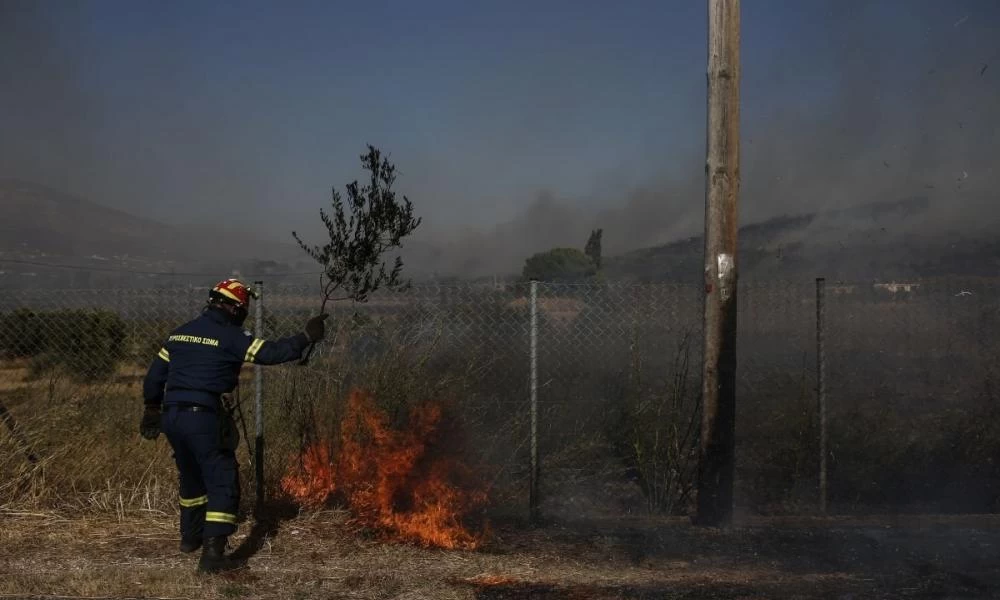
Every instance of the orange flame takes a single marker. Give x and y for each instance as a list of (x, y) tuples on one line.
[(313, 484), (401, 482)]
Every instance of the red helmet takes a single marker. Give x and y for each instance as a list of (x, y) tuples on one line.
[(232, 291)]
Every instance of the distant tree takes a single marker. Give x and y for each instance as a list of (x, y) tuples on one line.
[(593, 248), (559, 265), (360, 234)]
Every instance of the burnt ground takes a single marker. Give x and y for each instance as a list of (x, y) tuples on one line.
[(45, 555), (903, 557)]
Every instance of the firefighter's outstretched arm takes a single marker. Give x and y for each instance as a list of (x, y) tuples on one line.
[(152, 394), (268, 352)]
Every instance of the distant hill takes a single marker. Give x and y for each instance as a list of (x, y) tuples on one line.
[(43, 226), (97, 246), (871, 241), (34, 218), (37, 218), (102, 247)]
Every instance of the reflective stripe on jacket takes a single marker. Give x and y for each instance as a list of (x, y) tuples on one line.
[(202, 359)]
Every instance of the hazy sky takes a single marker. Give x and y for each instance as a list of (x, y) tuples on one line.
[(246, 113)]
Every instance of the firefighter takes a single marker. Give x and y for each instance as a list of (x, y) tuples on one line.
[(183, 392)]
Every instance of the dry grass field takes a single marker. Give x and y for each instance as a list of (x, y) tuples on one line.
[(320, 555), (94, 515)]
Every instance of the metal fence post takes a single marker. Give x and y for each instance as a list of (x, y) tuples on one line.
[(821, 385), (533, 492), (258, 446)]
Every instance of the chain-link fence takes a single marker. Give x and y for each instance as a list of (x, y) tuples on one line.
[(613, 372)]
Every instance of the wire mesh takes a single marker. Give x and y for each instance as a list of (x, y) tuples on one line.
[(911, 373)]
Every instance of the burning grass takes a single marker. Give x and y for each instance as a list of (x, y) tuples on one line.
[(406, 483)]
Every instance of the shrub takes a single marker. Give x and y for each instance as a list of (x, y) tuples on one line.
[(21, 334), (655, 431), (88, 344), (95, 344), (563, 265)]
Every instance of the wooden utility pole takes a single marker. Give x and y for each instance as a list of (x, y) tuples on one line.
[(722, 187)]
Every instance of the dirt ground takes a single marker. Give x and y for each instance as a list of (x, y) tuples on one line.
[(44, 555)]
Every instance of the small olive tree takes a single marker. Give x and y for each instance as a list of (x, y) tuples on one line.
[(361, 231)]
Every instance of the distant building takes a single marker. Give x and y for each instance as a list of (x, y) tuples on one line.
[(842, 290), (895, 288), (559, 310)]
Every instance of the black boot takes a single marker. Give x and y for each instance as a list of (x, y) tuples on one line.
[(190, 544), (213, 556)]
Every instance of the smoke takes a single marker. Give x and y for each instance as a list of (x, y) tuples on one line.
[(125, 118), (912, 119), (887, 105), (843, 104), (42, 103)]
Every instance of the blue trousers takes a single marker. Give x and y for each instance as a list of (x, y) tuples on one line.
[(209, 474)]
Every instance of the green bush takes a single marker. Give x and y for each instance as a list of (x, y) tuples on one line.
[(95, 345), (560, 265), (21, 334), (87, 344)]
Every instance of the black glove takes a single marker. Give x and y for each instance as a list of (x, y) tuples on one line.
[(316, 329), (149, 427)]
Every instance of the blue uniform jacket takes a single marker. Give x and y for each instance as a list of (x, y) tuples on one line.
[(201, 360)]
